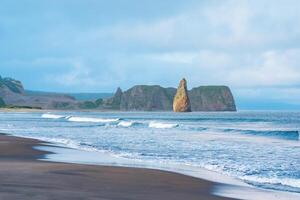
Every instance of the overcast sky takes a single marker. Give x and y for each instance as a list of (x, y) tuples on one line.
[(95, 46)]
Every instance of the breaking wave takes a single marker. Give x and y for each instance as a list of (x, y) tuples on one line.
[(162, 125), (52, 116), (285, 184), (90, 119), (126, 123)]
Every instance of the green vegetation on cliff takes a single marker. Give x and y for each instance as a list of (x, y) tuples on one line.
[(88, 105), (2, 103)]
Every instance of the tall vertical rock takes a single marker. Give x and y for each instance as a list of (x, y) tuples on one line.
[(181, 102)]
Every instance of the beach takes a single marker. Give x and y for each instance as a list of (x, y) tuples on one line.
[(23, 176), (149, 155)]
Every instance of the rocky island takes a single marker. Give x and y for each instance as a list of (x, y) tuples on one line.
[(137, 98)]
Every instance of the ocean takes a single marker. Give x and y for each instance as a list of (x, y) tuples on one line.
[(261, 149)]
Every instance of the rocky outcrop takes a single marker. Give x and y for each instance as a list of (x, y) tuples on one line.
[(11, 85), (141, 98), (181, 102), (157, 98), (147, 98), (212, 98)]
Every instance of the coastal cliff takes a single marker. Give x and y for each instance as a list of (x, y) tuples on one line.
[(147, 98), (137, 98), (157, 98), (212, 98)]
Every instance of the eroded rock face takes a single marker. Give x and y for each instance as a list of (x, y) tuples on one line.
[(212, 98), (181, 102), (147, 98)]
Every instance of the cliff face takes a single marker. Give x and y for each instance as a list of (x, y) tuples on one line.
[(181, 102), (147, 98), (212, 98), (157, 98)]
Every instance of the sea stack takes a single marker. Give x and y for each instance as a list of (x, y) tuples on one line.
[(181, 102)]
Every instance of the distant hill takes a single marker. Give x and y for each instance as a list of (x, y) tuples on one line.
[(90, 96), (77, 96), (13, 94)]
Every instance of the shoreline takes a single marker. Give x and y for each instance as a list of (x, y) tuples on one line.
[(224, 186), (69, 150), (24, 176), (211, 185)]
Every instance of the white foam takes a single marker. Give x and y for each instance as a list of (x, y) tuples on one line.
[(251, 193), (90, 119), (162, 125), (67, 142), (125, 123), (274, 181), (233, 188), (52, 116)]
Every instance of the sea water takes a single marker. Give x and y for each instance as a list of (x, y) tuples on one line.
[(261, 149)]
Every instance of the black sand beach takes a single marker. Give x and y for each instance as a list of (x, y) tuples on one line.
[(22, 176)]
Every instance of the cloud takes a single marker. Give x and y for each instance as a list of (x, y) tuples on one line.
[(203, 58), (227, 24), (64, 72), (79, 75), (244, 44), (271, 68)]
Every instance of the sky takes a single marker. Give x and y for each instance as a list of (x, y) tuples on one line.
[(97, 45)]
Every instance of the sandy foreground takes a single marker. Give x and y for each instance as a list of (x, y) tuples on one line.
[(22, 176)]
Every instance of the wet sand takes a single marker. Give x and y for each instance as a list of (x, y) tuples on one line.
[(24, 177)]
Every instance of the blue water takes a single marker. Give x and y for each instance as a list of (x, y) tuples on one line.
[(259, 148)]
